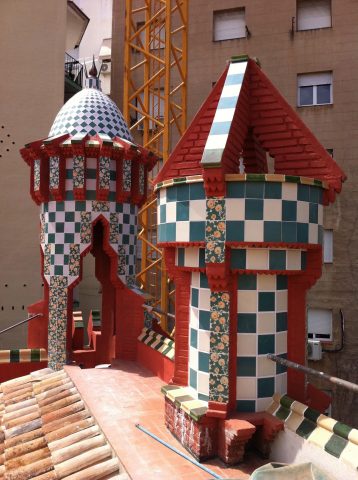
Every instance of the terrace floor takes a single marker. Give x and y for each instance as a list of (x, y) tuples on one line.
[(126, 394)]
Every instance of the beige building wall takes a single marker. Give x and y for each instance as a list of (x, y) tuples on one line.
[(283, 55), (32, 45)]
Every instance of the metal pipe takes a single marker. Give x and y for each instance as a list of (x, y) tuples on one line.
[(175, 450), (311, 371), (20, 323), (149, 309)]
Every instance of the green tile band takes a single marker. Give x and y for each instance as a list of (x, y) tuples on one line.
[(312, 423)]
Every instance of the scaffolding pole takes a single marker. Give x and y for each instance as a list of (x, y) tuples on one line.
[(155, 108)]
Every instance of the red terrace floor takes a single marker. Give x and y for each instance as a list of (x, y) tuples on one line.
[(126, 394)]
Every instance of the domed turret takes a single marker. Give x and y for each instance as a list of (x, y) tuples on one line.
[(90, 178), (90, 111)]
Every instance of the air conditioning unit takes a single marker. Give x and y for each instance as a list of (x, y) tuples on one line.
[(106, 67), (314, 350)]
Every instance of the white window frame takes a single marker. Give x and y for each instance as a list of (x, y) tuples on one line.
[(327, 245), (224, 16), (310, 17), (314, 80), (320, 324)]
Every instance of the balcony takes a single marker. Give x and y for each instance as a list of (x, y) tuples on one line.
[(73, 76)]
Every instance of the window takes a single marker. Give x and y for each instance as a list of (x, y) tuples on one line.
[(319, 322), (229, 24), (313, 14), (328, 246), (314, 89)]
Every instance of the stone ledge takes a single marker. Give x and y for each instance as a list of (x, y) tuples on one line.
[(334, 437), (23, 355), (158, 342)]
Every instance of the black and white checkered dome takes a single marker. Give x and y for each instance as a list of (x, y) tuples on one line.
[(90, 111)]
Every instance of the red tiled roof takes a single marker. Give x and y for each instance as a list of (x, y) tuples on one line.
[(47, 431), (263, 122)]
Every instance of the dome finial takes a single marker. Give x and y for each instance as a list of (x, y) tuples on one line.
[(92, 80), (93, 72)]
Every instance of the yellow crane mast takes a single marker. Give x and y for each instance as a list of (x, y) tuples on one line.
[(155, 98)]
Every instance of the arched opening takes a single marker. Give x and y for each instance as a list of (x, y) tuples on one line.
[(95, 298)]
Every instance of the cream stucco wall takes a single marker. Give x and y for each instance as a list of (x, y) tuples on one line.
[(32, 45)]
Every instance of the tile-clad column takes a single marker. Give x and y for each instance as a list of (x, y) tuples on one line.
[(199, 335), (57, 322), (182, 301), (262, 329)]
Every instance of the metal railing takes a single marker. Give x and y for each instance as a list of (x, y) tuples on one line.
[(73, 70), (296, 366), (20, 323)]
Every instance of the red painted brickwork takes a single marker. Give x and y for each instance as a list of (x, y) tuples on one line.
[(263, 121), (154, 361), (182, 302), (200, 438), (186, 157)]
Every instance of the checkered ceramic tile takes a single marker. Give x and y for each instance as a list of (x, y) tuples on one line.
[(245, 177), (262, 329), (90, 111), (219, 132), (247, 259), (333, 437), (267, 259), (23, 355), (254, 212), (68, 230), (199, 332), (158, 342)]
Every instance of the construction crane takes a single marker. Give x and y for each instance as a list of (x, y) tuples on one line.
[(155, 98)]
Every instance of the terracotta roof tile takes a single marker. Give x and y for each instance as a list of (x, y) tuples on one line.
[(47, 432)]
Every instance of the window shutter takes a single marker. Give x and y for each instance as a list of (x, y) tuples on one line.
[(229, 24), (313, 14), (319, 322)]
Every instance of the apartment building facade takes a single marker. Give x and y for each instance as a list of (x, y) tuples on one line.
[(308, 50)]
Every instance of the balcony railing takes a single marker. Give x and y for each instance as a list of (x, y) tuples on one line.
[(73, 70)]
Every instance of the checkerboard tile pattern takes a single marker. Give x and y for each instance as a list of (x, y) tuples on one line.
[(267, 259), (67, 232), (219, 131), (158, 342), (254, 212), (90, 111), (247, 258), (199, 335), (23, 355), (185, 399), (333, 437), (262, 329)]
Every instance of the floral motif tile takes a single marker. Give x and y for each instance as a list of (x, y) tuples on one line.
[(127, 175), (86, 229), (215, 231), (57, 324), (47, 259), (54, 172), (42, 228), (219, 347), (78, 171), (141, 179), (104, 173), (113, 228), (219, 388), (74, 260), (121, 260), (37, 174), (98, 206)]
